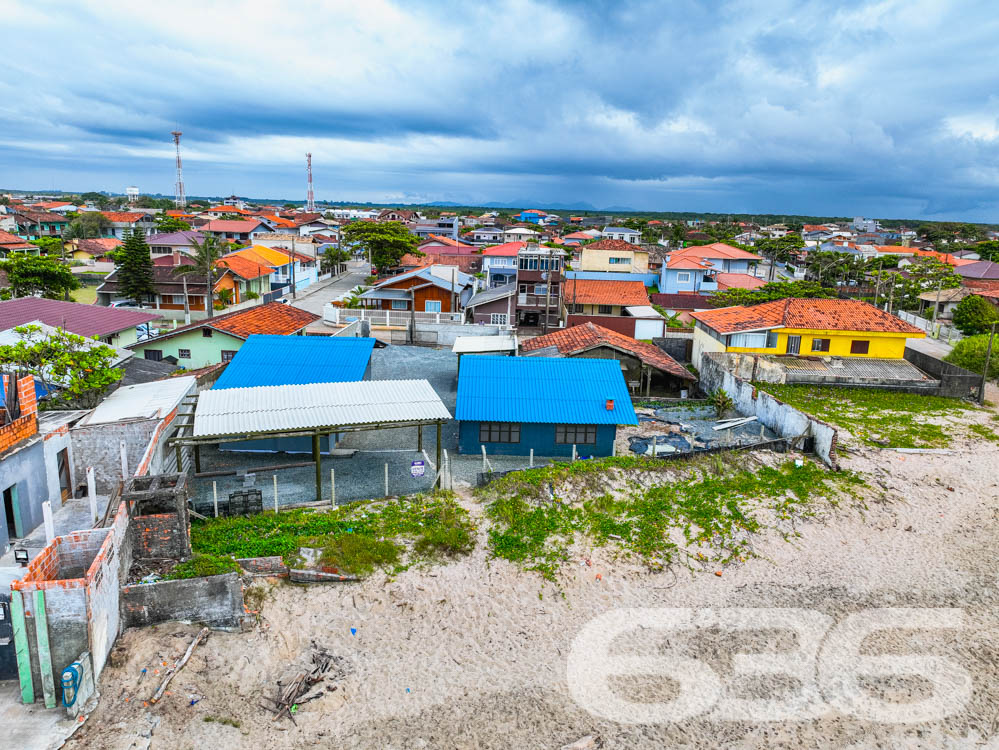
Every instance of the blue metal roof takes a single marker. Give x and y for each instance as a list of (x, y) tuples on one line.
[(539, 389), (295, 360)]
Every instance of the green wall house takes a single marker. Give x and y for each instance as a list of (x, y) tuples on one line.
[(209, 342)]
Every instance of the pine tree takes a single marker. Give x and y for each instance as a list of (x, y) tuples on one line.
[(135, 274)]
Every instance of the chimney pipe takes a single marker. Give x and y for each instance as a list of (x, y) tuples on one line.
[(610, 404)]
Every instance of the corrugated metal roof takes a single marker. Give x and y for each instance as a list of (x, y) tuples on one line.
[(540, 389), (296, 360), (143, 401), (239, 411), (478, 344)]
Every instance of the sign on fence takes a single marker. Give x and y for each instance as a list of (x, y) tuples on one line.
[(418, 468)]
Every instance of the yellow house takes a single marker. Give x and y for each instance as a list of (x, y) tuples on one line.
[(614, 255), (806, 327)]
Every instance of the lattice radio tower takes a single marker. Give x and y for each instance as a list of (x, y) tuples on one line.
[(310, 198), (179, 199)]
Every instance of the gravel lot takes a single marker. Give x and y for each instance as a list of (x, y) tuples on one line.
[(363, 476)]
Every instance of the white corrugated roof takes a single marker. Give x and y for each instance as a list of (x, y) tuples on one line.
[(275, 408), (143, 401), (477, 344), (643, 311)]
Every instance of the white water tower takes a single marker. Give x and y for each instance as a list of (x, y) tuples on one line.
[(133, 194)]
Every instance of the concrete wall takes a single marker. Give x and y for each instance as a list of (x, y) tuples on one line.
[(678, 346), (24, 467), (540, 437), (53, 443), (97, 446), (954, 381), (216, 601), (782, 418), (649, 279)]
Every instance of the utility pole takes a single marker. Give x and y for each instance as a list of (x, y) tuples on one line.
[(936, 304), (292, 258), (187, 307), (877, 285), (985, 370)]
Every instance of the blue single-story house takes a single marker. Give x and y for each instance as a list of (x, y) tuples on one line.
[(513, 404), (294, 360)]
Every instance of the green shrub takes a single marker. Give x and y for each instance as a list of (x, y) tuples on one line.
[(974, 315), (251, 295), (969, 353), (359, 554), (200, 566)]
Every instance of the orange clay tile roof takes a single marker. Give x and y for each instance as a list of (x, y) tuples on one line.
[(614, 245), (599, 292), (813, 314), (230, 210), (276, 220), (7, 240), (415, 260), (244, 267), (125, 217), (588, 336), (738, 281), (272, 317)]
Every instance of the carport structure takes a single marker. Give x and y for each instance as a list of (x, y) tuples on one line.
[(311, 410)]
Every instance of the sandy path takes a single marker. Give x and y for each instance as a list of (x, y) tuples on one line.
[(474, 654)]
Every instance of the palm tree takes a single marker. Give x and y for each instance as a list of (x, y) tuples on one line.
[(206, 256)]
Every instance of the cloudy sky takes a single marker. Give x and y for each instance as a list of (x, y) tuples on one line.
[(829, 107)]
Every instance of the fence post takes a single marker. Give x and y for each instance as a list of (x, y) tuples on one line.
[(386, 479), (49, 523), (275, 494), (215, 498), (484, 459), (124, 461), (92, 492), (573, 451), (532, 458), (614, 448), (445, 469), (332, 488)]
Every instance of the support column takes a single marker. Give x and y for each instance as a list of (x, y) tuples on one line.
[(197, 459), (44, 651), (419, 437), (319, 467), (439, 452), (21, 647)]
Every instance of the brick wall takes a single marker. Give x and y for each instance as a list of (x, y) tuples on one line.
[(18, 430), (163, 535)]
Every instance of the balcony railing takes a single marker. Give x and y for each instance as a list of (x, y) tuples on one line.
[(537, 300)]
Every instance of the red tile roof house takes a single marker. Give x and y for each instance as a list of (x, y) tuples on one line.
[(217, 340), (695, 269), (240, 230), (647, 368), (114, 326), (620, 305), (11, 243)]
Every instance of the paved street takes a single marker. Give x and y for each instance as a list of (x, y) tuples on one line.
[(314, 297)]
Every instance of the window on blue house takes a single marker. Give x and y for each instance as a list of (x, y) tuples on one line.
[(576, 434), (499, 432), (683, 277)]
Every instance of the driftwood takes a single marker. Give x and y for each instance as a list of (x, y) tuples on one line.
[(199, 638), (318, 576), (293, 694)]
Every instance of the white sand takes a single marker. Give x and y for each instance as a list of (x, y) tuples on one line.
[(484, 658)]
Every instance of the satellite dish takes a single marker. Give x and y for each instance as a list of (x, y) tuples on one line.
[(544, 276)]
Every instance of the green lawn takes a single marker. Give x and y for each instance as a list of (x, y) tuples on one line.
[(883, 418), (85, 294)]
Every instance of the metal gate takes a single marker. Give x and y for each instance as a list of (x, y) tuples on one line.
[(8, 658)]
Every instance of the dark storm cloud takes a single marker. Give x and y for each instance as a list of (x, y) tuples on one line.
[(825, 107)]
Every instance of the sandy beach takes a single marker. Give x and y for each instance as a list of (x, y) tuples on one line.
[(474, 654)]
